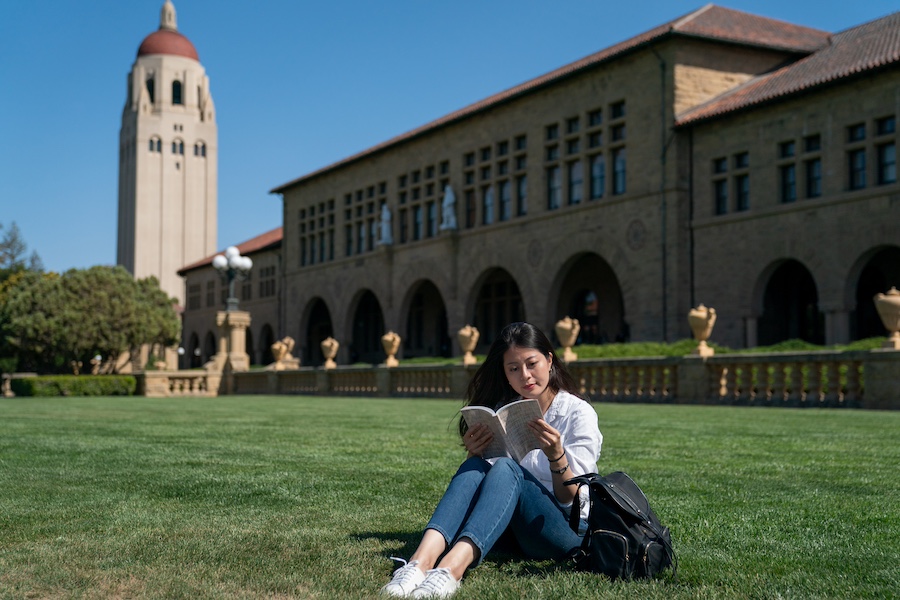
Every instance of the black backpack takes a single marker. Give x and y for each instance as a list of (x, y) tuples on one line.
[(624, 540)]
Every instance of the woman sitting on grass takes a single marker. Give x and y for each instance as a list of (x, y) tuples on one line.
[(487, 497)]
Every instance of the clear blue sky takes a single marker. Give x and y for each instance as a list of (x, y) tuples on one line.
[(297, 85)]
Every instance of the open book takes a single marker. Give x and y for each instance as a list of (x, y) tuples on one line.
[(509, 425)]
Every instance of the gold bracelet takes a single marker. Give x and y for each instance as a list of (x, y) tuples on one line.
[(560, 471)]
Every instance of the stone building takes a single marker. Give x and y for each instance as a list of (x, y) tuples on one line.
[(167, 160), (720, 158), (206, 292)]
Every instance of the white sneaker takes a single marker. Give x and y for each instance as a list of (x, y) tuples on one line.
[(439, 583), (405, 580)]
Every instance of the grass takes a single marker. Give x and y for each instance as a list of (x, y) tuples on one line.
[(300, 497)]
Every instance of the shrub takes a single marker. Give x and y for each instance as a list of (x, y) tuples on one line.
[(75, 385)]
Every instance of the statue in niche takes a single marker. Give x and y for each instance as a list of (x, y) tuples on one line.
[(448, 209), (386, 237)]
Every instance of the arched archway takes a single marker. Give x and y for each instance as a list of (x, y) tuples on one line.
[(194, 359), (498, 302), (266, 339), (209, 347), (368, 327), (248, 346), (590, 292), (318, 327), (790, 307), (426, 323), (879, 273)]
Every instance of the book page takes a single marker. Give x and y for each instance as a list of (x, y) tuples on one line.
[(481, 414), (515, 417)]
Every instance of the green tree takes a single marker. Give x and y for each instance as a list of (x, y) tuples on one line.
[(13, 250), (49, 320)]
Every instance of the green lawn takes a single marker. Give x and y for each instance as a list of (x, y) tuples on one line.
[(296, 497)]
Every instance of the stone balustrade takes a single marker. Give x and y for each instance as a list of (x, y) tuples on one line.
[(801, 379), (163, 384)]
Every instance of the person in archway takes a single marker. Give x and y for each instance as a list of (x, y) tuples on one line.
[(488, 497)]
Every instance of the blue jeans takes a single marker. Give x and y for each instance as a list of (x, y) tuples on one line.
[(483, 500)]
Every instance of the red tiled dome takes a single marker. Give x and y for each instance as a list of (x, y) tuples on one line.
[(166, 41)]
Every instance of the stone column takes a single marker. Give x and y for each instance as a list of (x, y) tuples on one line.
[(233, 339)]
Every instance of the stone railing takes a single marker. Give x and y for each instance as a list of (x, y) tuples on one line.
[(162, 384), (823, 379)]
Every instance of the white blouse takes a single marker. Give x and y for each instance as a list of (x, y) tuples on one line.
[(576, 421)]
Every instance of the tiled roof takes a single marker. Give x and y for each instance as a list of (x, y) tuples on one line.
[(864, 48), (710, 22), (266, 241)]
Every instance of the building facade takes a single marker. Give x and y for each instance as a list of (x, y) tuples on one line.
[(721, 158), (206, 292), (167, 160)]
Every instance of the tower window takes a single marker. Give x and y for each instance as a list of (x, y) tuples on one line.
[(176, 92), (151, 89)]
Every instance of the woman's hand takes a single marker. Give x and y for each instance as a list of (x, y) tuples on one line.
[(477, 439), (549, 439)]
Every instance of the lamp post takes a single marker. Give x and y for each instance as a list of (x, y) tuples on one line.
[(232, 266)]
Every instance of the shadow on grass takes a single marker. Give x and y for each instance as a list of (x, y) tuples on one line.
[(505, 553)]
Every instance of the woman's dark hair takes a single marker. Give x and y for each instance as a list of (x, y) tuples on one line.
[(489, 387)]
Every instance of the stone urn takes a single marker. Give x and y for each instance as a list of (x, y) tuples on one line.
[(702, 320), (888, 306), (468, 340), (567, 330), (391, 344), (329, 350)]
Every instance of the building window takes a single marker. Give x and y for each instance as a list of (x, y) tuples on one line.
[(576, 180), (178, 147), (720, 165), (595, 139), (151, 89), (573, 125), (573, 146), (417, 223), (193, 296), (720, 196), (267, 282), (370, 238), (348, 240), (813, 168), (742, 192), (598, 176), (887, 163), (247, 287), (210, 293), (432, 223), (505, 199), (176, 92), (788, 176), (786, 149), (618, 132), (553, 188), (487, 205), (360, 237), (619, 165), (404, 225), (155, 145), (471, 209), (595, 117), (856, 164), (812, 143), (502, 148), (856, 133), (552, 132), (521, 142), (742, 160), (617, 109), (552, 152), (886, 152), (522, 195)]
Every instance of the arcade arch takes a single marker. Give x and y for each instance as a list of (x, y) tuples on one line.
[(318, 327), (878, 271), (498, 302), (790, 306), (426, 323), (368, 327), (590, 292)]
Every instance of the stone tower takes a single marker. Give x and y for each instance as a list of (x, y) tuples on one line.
[(167, 160)]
